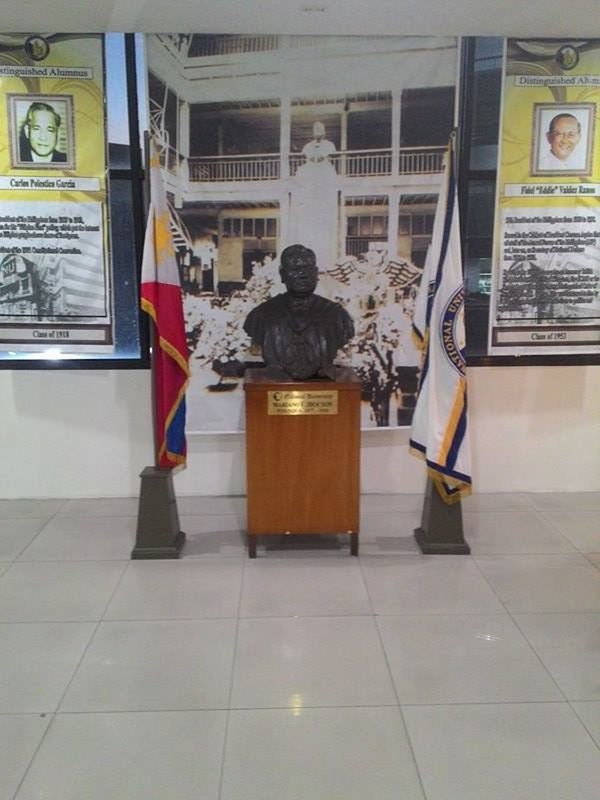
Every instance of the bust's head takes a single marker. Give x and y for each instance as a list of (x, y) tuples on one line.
[(298, 270)]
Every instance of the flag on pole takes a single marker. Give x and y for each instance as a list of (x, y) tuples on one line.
[(161, 298), (439, 432)]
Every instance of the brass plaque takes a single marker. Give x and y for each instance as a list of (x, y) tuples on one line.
[(295, 403)]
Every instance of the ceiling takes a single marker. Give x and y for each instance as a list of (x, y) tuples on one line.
[(544, 18)]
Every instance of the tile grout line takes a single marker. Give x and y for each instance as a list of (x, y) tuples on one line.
[(518, 627), (39, 714), (54, 714), (391, 677), (587, 558), (228, 709), (511, 616), (194, 709), (587, 730), (541, 516), (48, 520), (514, 621), (231, 678), (537, 656), (488, 582), (538, 515), (82, 518), (530, 498), (555, 526), (93, 636), (401, 712)]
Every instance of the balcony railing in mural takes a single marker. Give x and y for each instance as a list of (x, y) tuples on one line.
[(349, 164), (357, 247), (261, 167), (208, 45), (224, 45), (353, 163), (421, 160)]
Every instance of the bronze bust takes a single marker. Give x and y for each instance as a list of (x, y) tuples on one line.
[(299, 331)]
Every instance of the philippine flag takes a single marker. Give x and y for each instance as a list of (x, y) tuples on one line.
[(161, 298)]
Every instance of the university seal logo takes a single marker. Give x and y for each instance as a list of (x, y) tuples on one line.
[(36, 47), (452, 331)]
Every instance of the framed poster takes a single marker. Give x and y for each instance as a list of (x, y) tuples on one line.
[(55, 276), (546, 257)]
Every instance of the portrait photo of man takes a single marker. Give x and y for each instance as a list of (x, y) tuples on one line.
[(41, 131), (563, 139)]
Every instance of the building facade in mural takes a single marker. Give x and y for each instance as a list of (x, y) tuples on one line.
[(331, 141)]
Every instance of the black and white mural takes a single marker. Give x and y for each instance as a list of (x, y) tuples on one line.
[(332, 142)]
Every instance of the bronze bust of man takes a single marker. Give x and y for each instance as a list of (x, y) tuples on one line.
[(299, 331)]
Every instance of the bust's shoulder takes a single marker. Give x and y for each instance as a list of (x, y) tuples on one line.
[(334, 315), (268, 306), (255, 321), (326, 306)]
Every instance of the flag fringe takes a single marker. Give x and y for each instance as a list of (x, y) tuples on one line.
[(149, 308), (453, 420), (175, 355), (461, 490), (175, 407)]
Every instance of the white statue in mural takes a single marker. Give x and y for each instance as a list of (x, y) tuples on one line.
[(314, 200)]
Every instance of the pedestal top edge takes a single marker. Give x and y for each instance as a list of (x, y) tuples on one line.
[(268, 376)]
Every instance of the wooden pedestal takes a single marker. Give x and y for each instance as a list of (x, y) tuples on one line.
[(302, 469)]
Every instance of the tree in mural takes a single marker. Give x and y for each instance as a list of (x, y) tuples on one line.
[(214, 325), (377, 293)]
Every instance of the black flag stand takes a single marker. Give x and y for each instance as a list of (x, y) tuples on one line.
[(441, 530), (158, 534)]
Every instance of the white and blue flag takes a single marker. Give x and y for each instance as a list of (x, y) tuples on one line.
[(439, 432)]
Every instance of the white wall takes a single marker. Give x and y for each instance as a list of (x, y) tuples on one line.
[(73, 433), (354, 17), (88, 433)]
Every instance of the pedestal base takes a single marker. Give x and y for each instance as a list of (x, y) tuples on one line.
[(158, 534), (441, 530), (253, 542)]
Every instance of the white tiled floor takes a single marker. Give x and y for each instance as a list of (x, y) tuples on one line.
[(305, 674)]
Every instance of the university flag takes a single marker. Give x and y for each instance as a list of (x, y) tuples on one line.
[(439, 432), (161, 298)]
